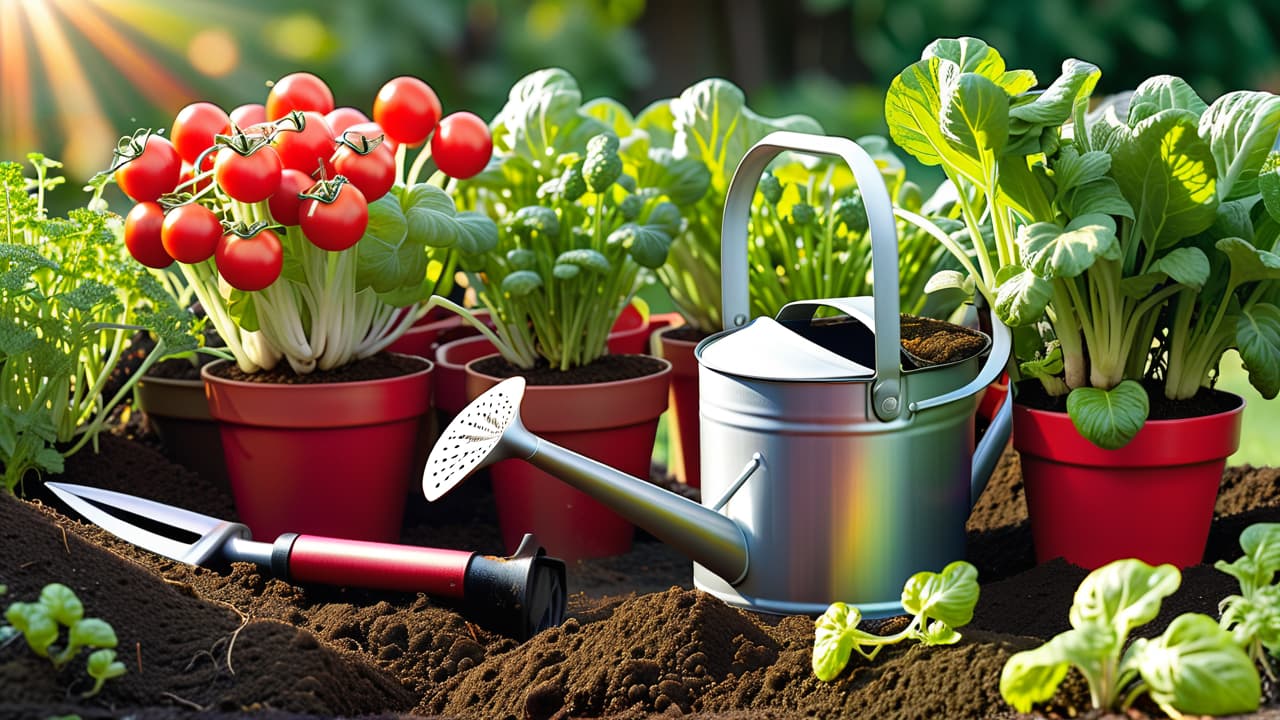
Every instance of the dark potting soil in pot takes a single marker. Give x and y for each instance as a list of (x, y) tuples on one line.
[(640, 640), (376, 367), (1206, 401), (687, 333), (606, 368)]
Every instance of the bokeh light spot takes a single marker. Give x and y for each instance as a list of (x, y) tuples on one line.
[(300, 36), (213, 52)]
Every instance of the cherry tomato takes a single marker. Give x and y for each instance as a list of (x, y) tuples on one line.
[(194, 128), (462, 145), (373, 173), (152, 173), (250, 114), (142, 235), (248, 178), (190, 233), (340, 119), (284, 203), (407, 109), (307, 148), (337, 225), (298, 91), (250, 263), (373, 130)]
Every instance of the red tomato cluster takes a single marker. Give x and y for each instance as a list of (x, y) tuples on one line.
[(281, 154)]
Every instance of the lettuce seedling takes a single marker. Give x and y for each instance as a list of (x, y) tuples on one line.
[(59, 607), (939, 602), (1253, 616), (1195, 667)]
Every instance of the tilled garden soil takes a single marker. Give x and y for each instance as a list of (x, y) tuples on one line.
[(639, 640)]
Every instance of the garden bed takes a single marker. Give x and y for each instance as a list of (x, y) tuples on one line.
[(639, 639)]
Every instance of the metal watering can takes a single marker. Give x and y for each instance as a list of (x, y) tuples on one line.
[(823, 478)]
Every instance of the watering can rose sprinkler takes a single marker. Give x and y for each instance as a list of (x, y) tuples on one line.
[(830, 472)]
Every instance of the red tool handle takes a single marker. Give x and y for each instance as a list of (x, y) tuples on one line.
[(381, 566)]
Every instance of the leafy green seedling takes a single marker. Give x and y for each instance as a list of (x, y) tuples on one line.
[(1195, 667), (1253, 616), (102, 667), (939, 602), (59, 607)]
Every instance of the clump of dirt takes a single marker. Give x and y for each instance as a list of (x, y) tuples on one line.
[(934, 342)]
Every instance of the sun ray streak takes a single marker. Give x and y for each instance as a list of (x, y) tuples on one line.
[(16, 102), (160, 86), (88, 133)]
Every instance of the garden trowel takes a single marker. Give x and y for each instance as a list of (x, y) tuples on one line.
[(518, 596)]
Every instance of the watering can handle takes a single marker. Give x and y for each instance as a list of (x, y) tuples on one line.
[(886, 393)]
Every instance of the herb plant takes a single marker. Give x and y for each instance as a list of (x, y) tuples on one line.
[(69, 301), (938, 602), (41, 623), (303, 243), (809, 237), (1101, 235), (584, 205), (1194, 667), (1253, 616)]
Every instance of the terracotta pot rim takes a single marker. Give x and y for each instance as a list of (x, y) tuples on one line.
[(666, 370), (207, 376)]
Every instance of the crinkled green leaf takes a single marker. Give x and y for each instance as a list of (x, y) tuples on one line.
[(1109, 418), (1241, 128), (586, 259), (647, 244), (1054, 106), (1258, 337), (536, 218), (1187, 266), (385, 259), (62, 603), (612, 113), (684, 180), (948, 596), (1167, 173), (833, 640), (1052, 251), (1073, 170), (92, 632), (1195, 668), (970, 54), (1123, 594), (913, 111), (1163, 92), (477, 234), (521, 283), (1249, 264), (541, 119), (522, 258), (1269, 184), (1235, 219), (975, 115), (1021, 296)]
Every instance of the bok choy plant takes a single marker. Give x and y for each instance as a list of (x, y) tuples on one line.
[(1194, 667), (1131, 243)]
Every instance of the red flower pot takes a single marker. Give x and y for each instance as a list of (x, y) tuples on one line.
[(437, 327), (326, 459), (614, 423), (685, 445), (1152, 499)]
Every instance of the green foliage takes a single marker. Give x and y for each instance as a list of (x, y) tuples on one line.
[(58, 607), (69, 300), (938, 602), (1194, 667), (582, 213), (1253, 616), (1141, 223)]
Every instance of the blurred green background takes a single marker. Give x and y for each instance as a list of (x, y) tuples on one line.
[(77, 74)]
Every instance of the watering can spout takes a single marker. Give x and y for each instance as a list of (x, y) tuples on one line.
[(987, 454), (489, 430)]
